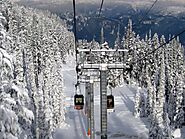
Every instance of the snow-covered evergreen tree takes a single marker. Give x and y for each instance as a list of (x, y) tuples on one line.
[(129, 44), (16, 118), (179, 113), (39, 43), (149, 95), (161, 72)]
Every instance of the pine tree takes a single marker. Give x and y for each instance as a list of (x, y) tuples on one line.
[(149, 95), (16, 118), (36, 39), (129, 44), (179, 113)]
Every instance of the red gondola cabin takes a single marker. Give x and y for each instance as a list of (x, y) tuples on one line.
[(78, 101), (110, 102)]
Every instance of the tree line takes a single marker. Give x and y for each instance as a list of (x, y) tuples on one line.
[(34, 45)]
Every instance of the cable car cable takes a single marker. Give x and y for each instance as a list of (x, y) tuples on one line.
[(99, 16), (152, 52), (147, 12), (110, 90), (167, 42), (101, 6), (80, 92), (100, 10), (75, 28), (75, 34), (119, 22), (135, 25)]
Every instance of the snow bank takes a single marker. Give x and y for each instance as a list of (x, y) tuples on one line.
[(177, 133)]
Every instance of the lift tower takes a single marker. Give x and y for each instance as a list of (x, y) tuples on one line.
[(99, 61)]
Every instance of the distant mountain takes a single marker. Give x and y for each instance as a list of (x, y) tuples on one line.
[(97, 1), (166, 17)]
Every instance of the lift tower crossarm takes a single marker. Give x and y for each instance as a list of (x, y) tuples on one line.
[(109, 66), (101, 61)]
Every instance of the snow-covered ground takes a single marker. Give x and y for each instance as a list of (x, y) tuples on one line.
[(122, 124)]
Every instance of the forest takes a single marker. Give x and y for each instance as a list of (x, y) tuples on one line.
[(34, 44)]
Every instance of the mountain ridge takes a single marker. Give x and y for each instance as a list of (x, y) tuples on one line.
[(166, 17)]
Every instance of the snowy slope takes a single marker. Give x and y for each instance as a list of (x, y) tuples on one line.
[(121, 123)]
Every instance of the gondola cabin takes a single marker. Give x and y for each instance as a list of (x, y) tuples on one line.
[(110, 102), (78, 101)]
